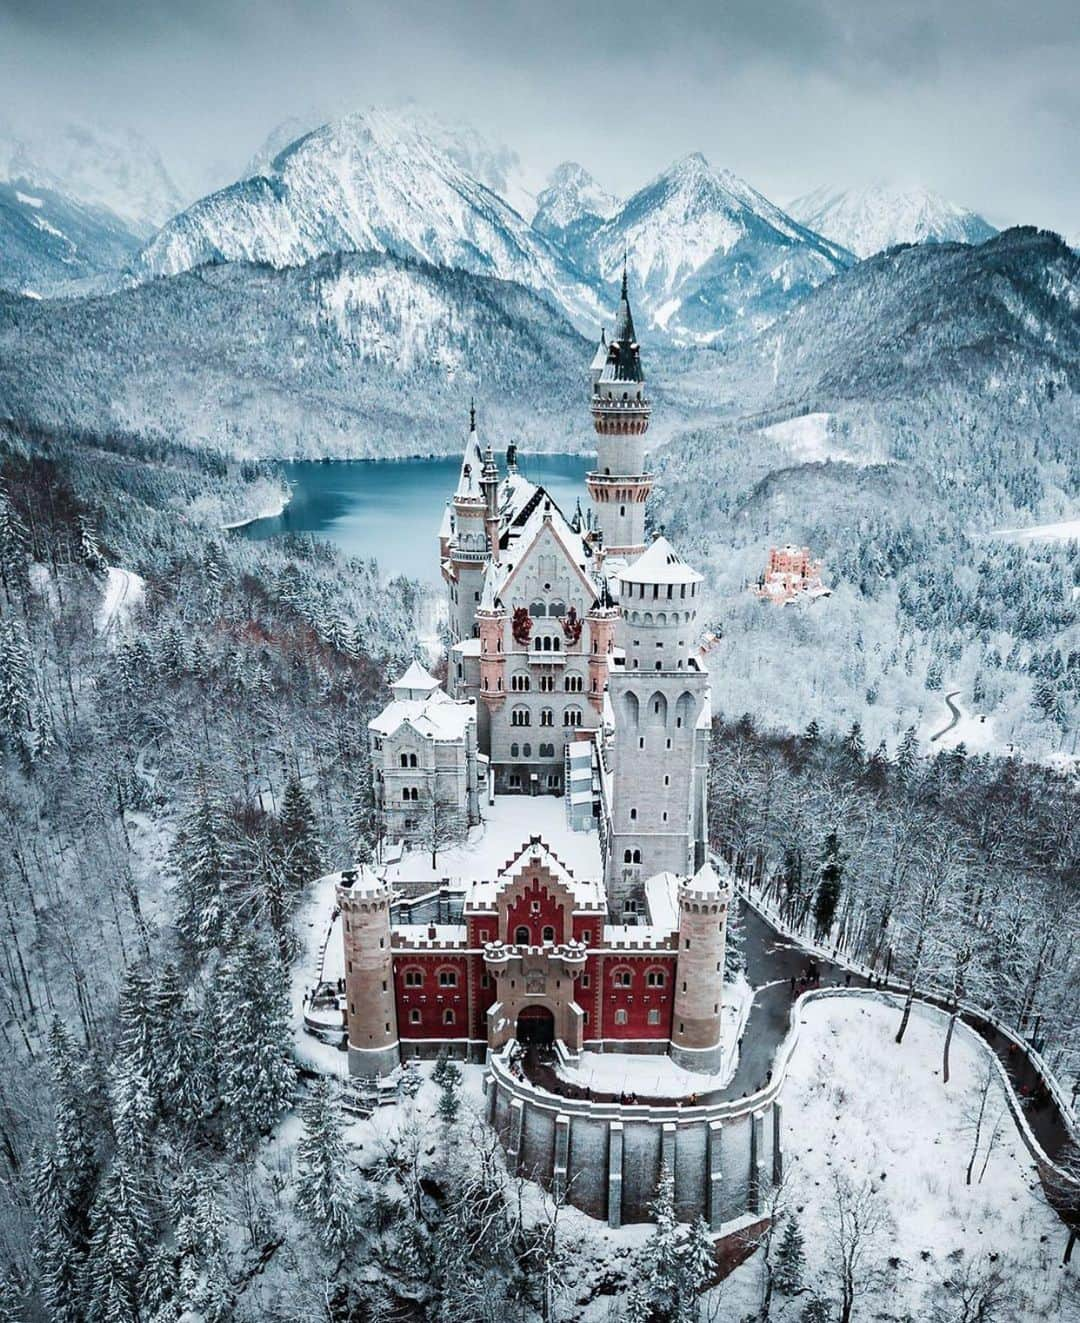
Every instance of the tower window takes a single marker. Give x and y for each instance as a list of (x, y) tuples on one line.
[(414, 1016), (633, 815), (448, 1017)]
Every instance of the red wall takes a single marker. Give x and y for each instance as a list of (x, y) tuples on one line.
[(429, 999), (519, 912), (604, 997)]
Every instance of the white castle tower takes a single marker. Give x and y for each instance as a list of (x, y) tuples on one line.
[(659, 701), (468, 547), (619, 485)]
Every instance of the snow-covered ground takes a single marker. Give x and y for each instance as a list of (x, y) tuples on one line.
[(809, 438), (974, 730), (313, 924), (657, 1076), (1066, 531), (123, 592), (859, 1105), (275, 504)]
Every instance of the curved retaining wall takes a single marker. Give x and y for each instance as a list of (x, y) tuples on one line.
[(607, 1157)]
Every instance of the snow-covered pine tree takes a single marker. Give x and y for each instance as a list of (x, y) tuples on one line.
[(449, 1104), (89, 550), (119, 1242), (854, 747), (325, 1197), (255, 1073), (16, 692), (139, 1030), (790, 1259), (74, 1148), (13, 542), (828, 892), (302, 853), (184, 1053), (201, 859), (58, 1258), (159, 1285), (907, 755)]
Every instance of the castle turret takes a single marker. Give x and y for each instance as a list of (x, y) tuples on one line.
[(696, 1030), (371, 1015), (603, 622), (467, 556), (619, 485), (489, 487), (659, 696)]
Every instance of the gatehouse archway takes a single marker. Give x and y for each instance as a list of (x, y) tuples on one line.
[(536, 1024)]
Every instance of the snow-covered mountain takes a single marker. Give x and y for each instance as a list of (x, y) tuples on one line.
[(108, 169), (369, 182), (572, 207), (350, 354), (50, 244), (869, 220), (708, 255)]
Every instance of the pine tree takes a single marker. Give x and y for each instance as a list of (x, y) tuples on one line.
[(324, 1196), (735, 948), (907, 756), (201, 860), (57, 1253), (255, 1073), (184, 1053), (89, 551), (159, 1286), (362, 824), (790, 1259), (828, 892), (203, 1284), (854, 747), (13, 542), (812, 735), (934, 676), (74, 1142), (119, 1240), (816, 1310), (449, 1104), (15, 684), (140, 1029), (302, 862)]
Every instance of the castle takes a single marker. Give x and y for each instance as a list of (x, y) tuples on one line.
[(542, 872)]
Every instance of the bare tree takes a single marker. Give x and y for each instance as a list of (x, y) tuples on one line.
[(984, 1117), (973, 1291), (858, 1222)]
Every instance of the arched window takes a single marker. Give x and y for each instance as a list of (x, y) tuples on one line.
[(572, 716), (448, 1017), (526, 750), (414, 978), (627, 856), (405, 794), (404, 760), (412, 760), (537, 610), (519, 682), (547, 717), (623, 978), (414, 794), (655, 978), (414, 1016), (548, 934), (521, 935), (620, 1017), (519, 716), (447, 978), (557, 609), (514, 750), (637, 856)]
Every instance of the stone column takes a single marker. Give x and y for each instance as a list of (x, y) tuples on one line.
[(615, 1157), (777, 1143), (715, 1175), (562, 1155)]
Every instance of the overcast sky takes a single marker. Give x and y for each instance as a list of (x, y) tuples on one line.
[(979, 99)]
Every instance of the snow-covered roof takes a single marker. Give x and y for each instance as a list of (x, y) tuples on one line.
[(472, 463), (542, 512), (436, 717), (362, 880), (467, 647), (600, 357), (446, 526), (705, 884), (660, 563), (662, 909), (416, 682), (507, 824), (588, 892)]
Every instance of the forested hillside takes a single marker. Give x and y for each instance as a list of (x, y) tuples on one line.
[(354, 355), (910, 407)]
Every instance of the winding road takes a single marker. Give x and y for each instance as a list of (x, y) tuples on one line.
[(956, 715)]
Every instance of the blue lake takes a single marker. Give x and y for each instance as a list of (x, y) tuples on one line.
[(391, 509)]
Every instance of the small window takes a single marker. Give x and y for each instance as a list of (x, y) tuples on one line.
[(414, 1016), (622, 978), (448, 1017), (414, 978), (447, 978), (633, 815), (654, 1017), (521, 935), (586, 981), (655, 978), (548, 934), (620, 1017)]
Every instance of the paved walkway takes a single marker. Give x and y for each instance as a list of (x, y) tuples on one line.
[(777, 966)]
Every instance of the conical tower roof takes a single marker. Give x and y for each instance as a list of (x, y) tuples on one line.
[(472, 462), (623, 362)]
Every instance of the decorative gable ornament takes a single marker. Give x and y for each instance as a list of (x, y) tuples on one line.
[(522, 624), (571, 625)]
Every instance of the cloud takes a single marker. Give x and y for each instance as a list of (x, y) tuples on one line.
[(788, 92)]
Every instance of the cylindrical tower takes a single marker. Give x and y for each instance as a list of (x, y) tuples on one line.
[(602, 621), (371, 1017), (696, 1037), (489, 486), (492, 624), (658, 696), (619, 485)]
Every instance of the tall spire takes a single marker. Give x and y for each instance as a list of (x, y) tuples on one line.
[(472, 414)]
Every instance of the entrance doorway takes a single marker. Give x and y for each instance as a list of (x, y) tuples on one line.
[(536, 1025)]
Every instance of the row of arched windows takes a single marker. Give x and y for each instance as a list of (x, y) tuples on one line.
[(525, 750), (410, 795), (521, 683), (538, 610), (522, 936), (521, 716), (414, 978), (623, 977), (408, 760)]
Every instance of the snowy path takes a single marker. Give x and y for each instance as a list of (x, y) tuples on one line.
[(123, 592)]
